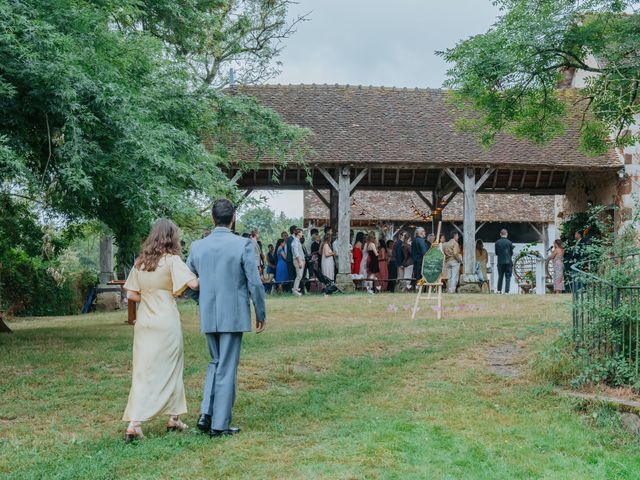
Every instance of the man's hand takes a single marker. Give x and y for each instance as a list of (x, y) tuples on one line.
[(260, 324)]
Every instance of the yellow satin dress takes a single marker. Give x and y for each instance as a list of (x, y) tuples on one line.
[(157, 387)]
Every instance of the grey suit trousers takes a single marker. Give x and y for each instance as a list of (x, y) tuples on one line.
[(220, 382)]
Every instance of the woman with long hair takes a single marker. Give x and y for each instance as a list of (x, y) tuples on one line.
[(328, 264), (383, 266), (444, 278), (557, 257), (157, 277), (373, 265), (282, 274), (482, 259), (357, 253)]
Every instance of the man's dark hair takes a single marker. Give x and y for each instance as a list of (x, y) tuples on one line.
[(292, 229), (314, 231), (223, 212), (453, 235)]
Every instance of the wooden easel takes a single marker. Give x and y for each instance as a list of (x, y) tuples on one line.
[(438, 298), (437, 288)]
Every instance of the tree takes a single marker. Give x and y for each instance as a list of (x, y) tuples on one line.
[(512, 74), (101, 123), (219, 39), (266, 222)]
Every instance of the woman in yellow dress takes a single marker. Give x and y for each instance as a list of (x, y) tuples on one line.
[(158, 276)]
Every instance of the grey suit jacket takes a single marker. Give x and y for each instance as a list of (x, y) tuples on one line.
[(226, 266)]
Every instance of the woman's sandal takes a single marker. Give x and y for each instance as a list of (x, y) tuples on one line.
[(133, 433), (176, 425)]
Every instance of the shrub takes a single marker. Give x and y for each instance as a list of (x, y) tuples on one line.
[(33, 286)]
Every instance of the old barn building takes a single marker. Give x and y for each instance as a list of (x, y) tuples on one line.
[(375, 139)]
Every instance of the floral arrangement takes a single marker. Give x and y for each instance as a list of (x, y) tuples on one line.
[(529, 277)]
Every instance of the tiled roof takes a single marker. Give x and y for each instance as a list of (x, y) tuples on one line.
[(399, 206), (378, 125)]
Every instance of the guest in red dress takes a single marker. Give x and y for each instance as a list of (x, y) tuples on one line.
[(383, 266), (357, 253)]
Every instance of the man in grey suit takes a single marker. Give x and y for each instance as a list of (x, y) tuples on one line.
[(226, 266)]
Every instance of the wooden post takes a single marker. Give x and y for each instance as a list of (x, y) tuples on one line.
[(3, 326), (131, 312), (541, 284), (469, 226), (106, 259), (333, 209), (344, 229)]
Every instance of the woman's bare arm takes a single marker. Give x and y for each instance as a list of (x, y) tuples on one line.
[(134, 296), (194, 284)]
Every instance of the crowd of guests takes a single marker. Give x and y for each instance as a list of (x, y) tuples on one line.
[(379, 265)]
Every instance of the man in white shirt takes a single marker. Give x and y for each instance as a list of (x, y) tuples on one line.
[(298, 260)]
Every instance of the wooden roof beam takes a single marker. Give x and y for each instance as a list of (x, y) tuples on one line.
[(455, 178), (524, 176), (358, 179), (328, 177), (322, 198), (510, 179), (236, 177), (485, 176), (427, 202)]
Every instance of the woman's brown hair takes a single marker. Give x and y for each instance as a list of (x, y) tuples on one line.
[(163, 239)]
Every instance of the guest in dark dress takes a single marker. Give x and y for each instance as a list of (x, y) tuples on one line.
[(315, 242), (393, 267), (282, 274), (372, 267)]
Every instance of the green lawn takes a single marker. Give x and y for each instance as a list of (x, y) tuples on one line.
[(337, 387)]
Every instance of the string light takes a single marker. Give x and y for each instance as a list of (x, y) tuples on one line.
[(422, 215)]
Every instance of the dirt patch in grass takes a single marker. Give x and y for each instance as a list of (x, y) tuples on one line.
[(626, 393), (505, 359)]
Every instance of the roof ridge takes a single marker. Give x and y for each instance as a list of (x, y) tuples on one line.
[(344, 86)]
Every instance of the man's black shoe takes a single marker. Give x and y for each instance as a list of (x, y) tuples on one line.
[(224, 433), (204, 423)]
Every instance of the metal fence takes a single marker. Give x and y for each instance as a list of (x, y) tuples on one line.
[(606, 307)]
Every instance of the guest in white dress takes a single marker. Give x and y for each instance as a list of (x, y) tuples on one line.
[(328, 264)]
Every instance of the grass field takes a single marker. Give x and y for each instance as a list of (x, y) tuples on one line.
[(339, 388)]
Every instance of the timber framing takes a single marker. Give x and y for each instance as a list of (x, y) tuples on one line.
[(400, 178)]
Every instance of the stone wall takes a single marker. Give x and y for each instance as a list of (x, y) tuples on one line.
[(615, 189)]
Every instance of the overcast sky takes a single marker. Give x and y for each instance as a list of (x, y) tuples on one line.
[(375, 42)]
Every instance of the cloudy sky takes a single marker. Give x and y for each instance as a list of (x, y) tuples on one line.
[(374, 42)]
